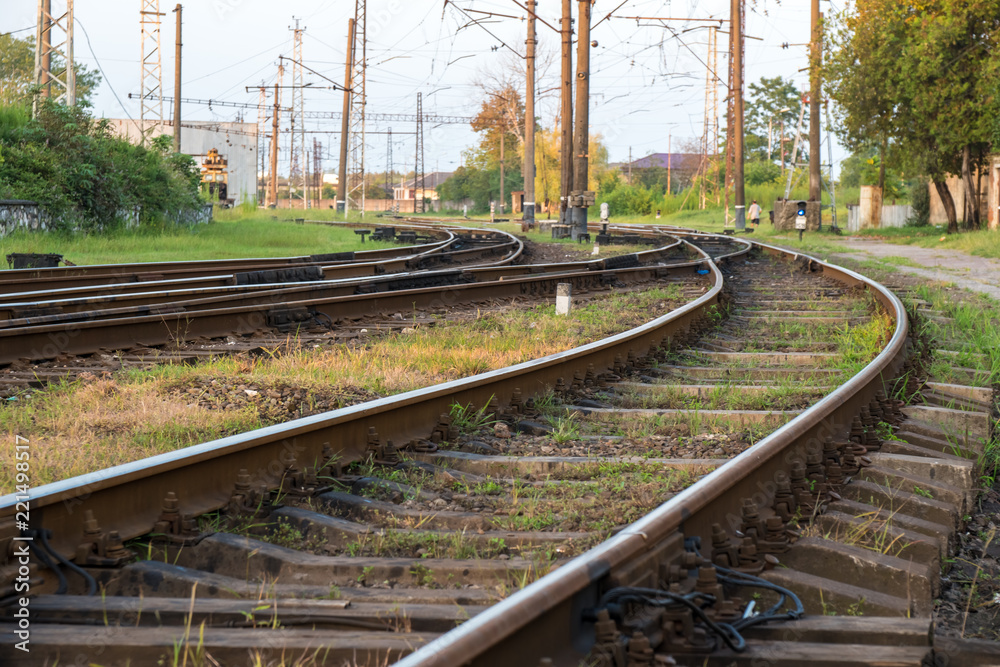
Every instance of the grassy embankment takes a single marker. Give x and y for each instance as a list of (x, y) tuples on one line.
[(234, 233)]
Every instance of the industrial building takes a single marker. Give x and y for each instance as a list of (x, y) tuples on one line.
[(236, 143)]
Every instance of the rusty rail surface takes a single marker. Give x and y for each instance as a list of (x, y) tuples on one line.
[(550, 619), (545, 620), (199, 474)]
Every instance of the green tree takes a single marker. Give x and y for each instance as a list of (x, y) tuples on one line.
[(17, 73), (918, 80), (773, 100)]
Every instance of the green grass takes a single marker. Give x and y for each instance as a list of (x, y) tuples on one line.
[(235, 233)]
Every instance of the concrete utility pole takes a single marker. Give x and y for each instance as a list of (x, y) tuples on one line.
[(566, 98), (345, 122), (272, 190), (581, 132), (529, 120), (816, 62), (177, 83), (503, 140), (736, 35)]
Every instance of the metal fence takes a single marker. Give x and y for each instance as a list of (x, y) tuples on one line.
[(892, 216)]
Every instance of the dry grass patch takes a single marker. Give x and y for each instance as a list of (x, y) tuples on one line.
[(78, 428), (83, 426)]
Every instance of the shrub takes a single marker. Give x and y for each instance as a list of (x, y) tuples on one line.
[(84, 176)]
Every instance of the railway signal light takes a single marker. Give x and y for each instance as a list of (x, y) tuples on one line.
[(800, 217)]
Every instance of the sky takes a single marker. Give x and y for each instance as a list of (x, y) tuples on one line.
[(647, 80)]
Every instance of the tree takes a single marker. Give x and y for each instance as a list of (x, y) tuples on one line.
[(17, 73), (918, 80), (772, 100)]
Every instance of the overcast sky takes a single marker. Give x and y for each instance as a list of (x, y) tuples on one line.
[(647, 82)]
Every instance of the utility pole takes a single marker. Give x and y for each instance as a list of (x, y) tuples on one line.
[(418, 164), (359, 100), (630, 165), (44, 50), (529, 120), (566, 99), (736, 35), (345, 123), (503, 140), (670, 162), (781, 129), (177, 83), (261, 130), (317, 170), (298, 164), (388, 166), (272, 192), (816, 62), (151, 74), (581, 198), (829, 153)]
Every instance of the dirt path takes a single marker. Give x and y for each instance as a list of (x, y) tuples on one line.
[(979, 274)]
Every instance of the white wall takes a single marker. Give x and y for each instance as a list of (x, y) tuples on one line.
[(237, 142)]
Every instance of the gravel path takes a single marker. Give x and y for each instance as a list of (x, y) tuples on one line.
[(979, 274)]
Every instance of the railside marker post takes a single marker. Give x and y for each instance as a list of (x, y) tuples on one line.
[(564, 298)]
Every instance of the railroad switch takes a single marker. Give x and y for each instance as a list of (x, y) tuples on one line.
[(100, 549)]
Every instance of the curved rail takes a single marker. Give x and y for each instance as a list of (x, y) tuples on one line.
[(266, 452), (547, 616)]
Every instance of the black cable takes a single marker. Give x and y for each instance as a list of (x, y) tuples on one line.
[(14, 32), (658, 598), (91, 582), (101, 70), (44, 557)]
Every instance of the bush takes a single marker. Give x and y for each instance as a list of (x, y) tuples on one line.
[(84, 176), (920, 200)]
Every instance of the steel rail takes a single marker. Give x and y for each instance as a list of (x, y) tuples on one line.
[(127, 498), (56, 278), (546, 619), (23, 313), (438, 255), (47, 341)]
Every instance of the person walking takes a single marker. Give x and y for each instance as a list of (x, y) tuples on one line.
[(754, 213)]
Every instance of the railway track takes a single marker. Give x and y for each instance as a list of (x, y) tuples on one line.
[(704, 489)]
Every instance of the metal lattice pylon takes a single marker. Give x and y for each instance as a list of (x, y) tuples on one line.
[(297, 167), (356, 183), (50, 28), (151, 101), (418, 161)]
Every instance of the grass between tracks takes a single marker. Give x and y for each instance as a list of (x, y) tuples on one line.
[(237, 233), (87, 425)]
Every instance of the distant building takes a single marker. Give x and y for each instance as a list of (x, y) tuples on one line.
[(429, 186), (236, 143), (677, 168), (673, 161)]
